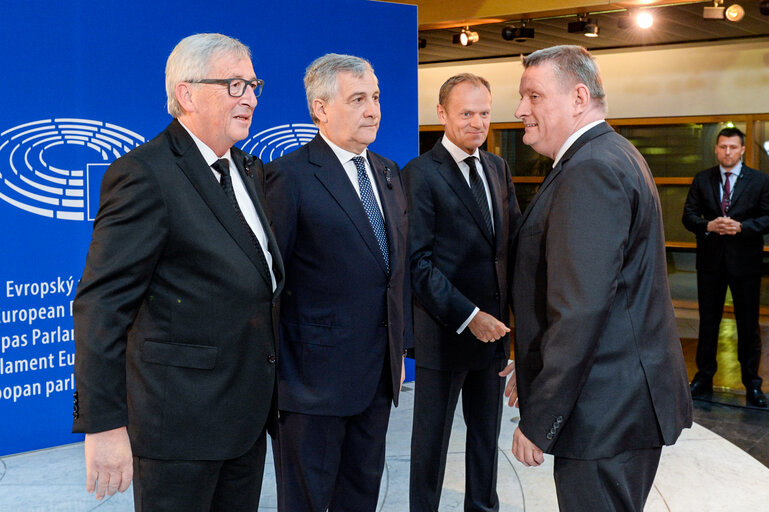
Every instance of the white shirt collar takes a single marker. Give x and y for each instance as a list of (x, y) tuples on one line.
[(208, 154), (343, 155), (457, 153), (736, 170), (572, 138)]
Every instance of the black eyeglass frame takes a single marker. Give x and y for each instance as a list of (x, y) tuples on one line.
[(259, 85)]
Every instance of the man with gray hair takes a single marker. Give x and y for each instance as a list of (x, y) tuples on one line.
[(340, 220), (600, 376), (175, 319)]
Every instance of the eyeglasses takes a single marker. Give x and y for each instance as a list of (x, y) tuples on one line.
[(236, 87)]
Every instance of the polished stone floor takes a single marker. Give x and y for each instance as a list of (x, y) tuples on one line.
[(702, 472), (719, 465)]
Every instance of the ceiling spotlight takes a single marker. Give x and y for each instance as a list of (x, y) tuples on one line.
[(763, 6), (518, 34), (714, 12), (644, 19), (422, 42), (466, 37), (734, 12), (591, 28)]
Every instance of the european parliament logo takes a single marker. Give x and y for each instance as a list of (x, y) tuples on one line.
[(279, 140), (54, 167)]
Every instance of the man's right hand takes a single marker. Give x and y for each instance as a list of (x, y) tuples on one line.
[(108, 462), (487, 328)]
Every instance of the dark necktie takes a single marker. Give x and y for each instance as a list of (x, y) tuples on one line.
[(222, 166), (479, 193), (372, 209), (726, 200)]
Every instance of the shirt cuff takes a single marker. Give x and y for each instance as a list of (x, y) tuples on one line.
[(469, 319)]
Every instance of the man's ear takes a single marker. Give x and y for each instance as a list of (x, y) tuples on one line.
[(581, 97), (184, 95), (441, 114), (319, 109)]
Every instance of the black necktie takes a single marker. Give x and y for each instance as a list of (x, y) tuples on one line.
[(479, 193), (222, 166)]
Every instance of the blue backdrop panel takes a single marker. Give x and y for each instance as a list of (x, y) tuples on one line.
[(83, 84)]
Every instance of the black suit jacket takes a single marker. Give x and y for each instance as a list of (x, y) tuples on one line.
[(742, 253), (174, 316), (599, 365), (456, 264), (342, 316)]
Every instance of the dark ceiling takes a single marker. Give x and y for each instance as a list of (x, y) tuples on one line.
[(672, 24)]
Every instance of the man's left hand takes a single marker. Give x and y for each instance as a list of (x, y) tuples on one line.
[(525, 451), (511, 389), (403, 372)]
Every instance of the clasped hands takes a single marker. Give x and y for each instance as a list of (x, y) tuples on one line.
[(724, 226), (524, 450)]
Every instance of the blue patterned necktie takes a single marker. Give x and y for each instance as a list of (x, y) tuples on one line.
[(372, 209)]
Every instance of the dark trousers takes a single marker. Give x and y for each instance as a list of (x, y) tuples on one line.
[(711, 293), (200, 485), (333, 462), (614, 484), (436, 394)]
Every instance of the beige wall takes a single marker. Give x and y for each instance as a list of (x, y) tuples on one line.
[(657, 82)]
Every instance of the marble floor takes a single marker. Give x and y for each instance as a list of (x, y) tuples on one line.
[(702, 472)]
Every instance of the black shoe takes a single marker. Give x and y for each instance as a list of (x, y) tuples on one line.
[(756, 398), (702, 388)]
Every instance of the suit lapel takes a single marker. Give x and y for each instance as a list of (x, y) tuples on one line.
[(333, 177), (193, 165), (740, 185), (495, 190), (247, 166), (715, 187), (449, 170), (389, 208)]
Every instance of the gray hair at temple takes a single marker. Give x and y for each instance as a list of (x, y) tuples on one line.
[(320, 78), (572, 65), (455, 80), (192, 59)]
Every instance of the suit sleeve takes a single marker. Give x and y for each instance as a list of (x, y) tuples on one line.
[(693, 209), (128, 238), (585, 238), (759, 224), (443, 301)]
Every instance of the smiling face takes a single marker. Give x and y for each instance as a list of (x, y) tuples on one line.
[(729, 151), (547, 109), (215, 117), (351, 119), (466, 115)]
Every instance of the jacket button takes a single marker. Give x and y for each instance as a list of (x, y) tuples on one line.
[(271, 359), (496, 295), (549, 436), (384, 324)]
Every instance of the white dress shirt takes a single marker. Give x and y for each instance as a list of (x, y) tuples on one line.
[(241, 195), (736, 170), (345, 158)]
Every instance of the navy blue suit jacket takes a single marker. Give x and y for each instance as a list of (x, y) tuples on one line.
[(341, 314), (456, 263)]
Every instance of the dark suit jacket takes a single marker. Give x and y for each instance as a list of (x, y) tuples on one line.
[(742, 253), (599, 365), (174, 328), (456, 264), (341, 314)]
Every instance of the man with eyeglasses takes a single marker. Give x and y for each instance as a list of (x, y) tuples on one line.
[(174, 316)]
